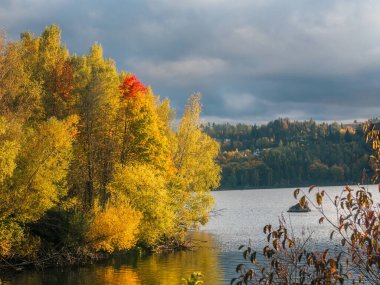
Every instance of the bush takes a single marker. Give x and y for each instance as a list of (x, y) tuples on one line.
[(194, 279), (59, 227), (114, 228), (11, 236)]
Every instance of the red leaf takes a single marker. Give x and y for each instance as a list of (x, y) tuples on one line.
[(131, 87)]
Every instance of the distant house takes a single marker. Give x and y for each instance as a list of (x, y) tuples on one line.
[(351, 127), (257, 152)]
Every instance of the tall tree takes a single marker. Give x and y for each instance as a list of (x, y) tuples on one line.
[(143, 141), (197, 172), (97, 105)]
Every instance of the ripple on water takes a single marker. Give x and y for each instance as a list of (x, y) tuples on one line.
[(240, 218)]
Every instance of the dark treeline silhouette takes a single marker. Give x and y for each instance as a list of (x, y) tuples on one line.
[(286, 153)]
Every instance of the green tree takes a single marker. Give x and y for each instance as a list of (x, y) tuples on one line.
[(318, 171)]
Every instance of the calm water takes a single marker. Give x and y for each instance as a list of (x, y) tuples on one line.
[(239, 218)]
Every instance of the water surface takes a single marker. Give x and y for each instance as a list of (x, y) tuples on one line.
[(238, 218)]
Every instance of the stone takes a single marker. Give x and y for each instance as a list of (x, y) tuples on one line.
[(298, 209)]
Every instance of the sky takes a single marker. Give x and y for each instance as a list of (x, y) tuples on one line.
[(253, 60)]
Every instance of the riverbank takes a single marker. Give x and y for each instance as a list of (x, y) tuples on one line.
[(227, 188), (84, 256), (132, 267), (240, 220), (74, 258)]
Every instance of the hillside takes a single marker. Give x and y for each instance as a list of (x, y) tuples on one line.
[(286, 153)]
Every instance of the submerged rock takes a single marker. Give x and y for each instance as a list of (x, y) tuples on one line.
[(298, 209)]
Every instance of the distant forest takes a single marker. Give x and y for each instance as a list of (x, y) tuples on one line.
[(286, 153)]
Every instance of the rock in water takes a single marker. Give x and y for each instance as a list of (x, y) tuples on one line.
[(298, 209)]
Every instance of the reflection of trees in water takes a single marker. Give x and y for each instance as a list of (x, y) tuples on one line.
[(170, 268), (88, 275), (108, 276), (160, 269)]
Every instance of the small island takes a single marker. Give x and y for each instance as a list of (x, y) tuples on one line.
[(298, 209)]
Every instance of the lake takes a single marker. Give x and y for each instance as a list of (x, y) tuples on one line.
[(238, 218)]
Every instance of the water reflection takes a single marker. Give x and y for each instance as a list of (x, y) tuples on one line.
[(242, 216), (160, 269), (170, 268)]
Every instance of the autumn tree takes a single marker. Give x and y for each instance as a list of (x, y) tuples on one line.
[(109, 230), (146, 190), (96, 81), (197, 173), (35, 177), (20, 93), (89, 158), (55, 70), (142, 139)]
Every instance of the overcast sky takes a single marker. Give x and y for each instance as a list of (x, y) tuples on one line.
[(253, 60)]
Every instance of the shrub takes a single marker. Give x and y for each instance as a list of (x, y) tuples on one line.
[(114, 228), (194, 279)]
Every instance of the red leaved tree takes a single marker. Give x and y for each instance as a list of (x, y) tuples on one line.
[(131, 87)]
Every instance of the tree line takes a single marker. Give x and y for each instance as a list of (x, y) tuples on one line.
[(285, 153), (89, 158)]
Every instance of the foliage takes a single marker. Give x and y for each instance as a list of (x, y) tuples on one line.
[(60, 227), (109, 230), (372, 132), (97, 104), (146, 189), (285, 153), (9, 148), (194, 279), (11, 235), (131, 87), (89, 156), (37, 182), (142, 138), (194, 156)]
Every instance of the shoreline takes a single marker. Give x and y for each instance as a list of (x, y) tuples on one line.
[(83, 257), (287, 187)]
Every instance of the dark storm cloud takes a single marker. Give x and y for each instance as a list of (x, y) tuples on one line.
[(254, 60)]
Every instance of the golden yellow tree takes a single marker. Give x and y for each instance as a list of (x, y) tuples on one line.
[(142, 137), (34, 180), (145, 187), (197, 172), (97, 105), (114, 227), (92, 148)]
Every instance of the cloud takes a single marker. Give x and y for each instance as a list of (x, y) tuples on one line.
[(254, 60), (239, 102), (177, 72)]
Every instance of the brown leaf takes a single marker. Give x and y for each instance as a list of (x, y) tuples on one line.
[(311, 188), (296, 192), (303, 201), (319, 198)]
